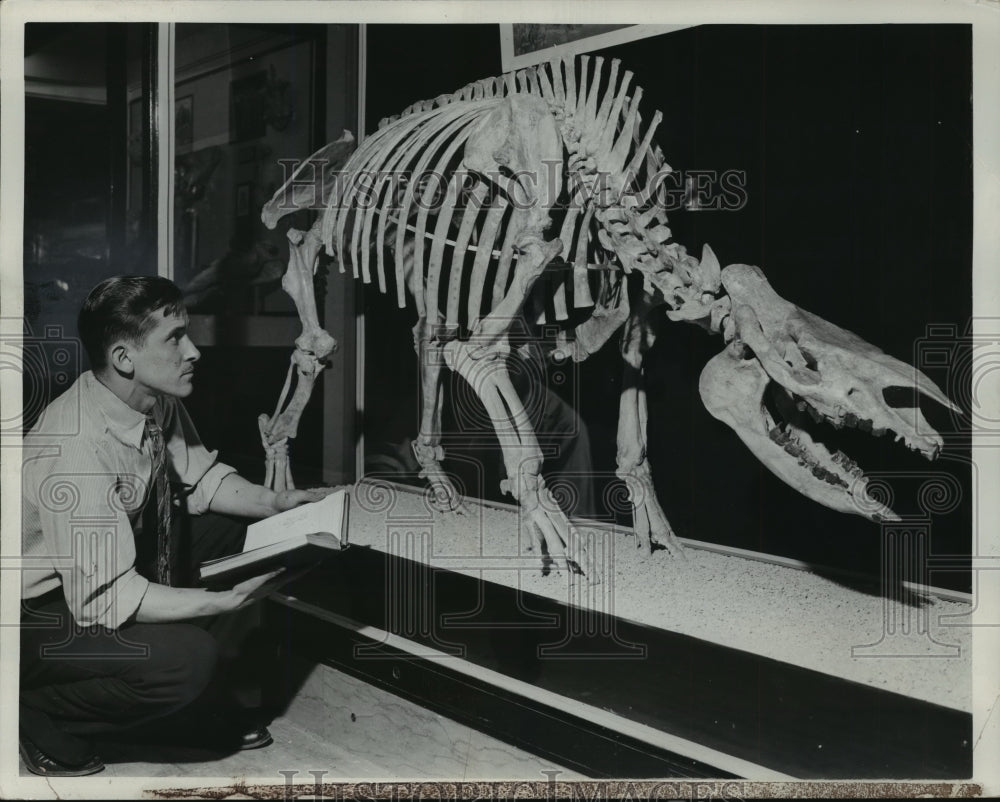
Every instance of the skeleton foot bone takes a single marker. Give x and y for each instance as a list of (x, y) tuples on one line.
[(557, 539), (652, 529), (444, 494)]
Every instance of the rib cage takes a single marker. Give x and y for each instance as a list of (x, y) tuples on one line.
[(451, 235)]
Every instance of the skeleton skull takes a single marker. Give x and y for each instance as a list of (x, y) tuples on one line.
[(782, 361)]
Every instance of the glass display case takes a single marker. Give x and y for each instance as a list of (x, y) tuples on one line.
[(87, 208)]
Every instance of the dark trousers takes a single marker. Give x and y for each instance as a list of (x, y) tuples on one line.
[(79, 681)]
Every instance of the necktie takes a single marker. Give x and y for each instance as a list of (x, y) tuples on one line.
[(160, 497)]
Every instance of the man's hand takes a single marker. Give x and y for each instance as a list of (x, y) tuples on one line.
[(163, 604), (250, 590), (289, 499), (237, 496)]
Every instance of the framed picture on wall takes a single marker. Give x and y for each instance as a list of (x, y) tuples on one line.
[(525, 43), (247, 123)]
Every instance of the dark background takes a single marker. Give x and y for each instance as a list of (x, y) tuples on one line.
[(856, 144)]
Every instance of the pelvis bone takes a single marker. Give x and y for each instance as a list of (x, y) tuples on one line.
[(786, 370)]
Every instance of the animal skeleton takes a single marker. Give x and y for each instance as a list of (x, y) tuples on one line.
[(557, 148)]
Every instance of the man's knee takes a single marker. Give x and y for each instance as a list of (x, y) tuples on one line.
[(178, 667)]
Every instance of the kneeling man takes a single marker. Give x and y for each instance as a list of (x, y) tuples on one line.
[(110, 637)]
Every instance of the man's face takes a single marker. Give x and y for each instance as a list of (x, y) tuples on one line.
[(164, 362)]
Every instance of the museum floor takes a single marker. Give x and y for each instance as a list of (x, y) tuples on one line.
[(347, 728)]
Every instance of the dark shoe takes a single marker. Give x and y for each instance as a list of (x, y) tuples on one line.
[(37, 762), (255, 738), (244, 729)]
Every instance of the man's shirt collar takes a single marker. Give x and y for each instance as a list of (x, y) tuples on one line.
[(123, 422)]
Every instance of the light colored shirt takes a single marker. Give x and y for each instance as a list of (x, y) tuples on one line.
[(86, 476)]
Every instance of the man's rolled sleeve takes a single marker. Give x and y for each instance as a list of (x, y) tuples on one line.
[(201, 497), (193, 465)]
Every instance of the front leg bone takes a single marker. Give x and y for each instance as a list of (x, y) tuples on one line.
[(312, 347), (277, 473), (298, 283)]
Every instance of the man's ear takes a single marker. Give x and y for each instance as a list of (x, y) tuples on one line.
[(120, 358)]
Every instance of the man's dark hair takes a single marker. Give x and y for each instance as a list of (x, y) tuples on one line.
[(120, 308)]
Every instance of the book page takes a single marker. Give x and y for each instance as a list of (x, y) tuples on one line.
[(325, 515)]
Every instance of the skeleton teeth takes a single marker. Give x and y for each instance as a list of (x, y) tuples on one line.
[(828, 476), (785, 436), (847, 465), (779, 436), (850, 419), (816, 416), (865, 425)]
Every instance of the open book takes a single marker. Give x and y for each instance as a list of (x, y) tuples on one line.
[(294, 538)]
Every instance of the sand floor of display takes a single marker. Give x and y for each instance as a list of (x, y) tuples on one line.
[(919, 647)]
